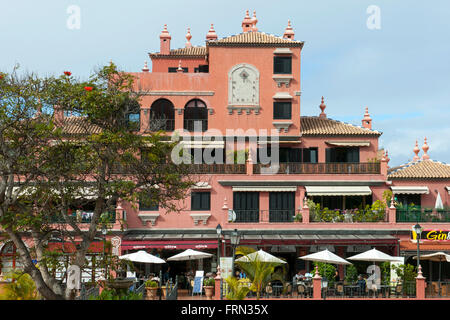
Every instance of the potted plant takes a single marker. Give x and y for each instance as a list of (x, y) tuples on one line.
[(151, 286), (298, 217), (208, 285)]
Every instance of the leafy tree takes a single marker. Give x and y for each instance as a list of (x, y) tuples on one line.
[(21, 287), (46, 171), (326, 270), (351, 274)]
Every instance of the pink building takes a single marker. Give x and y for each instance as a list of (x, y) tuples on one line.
[(244, 90)]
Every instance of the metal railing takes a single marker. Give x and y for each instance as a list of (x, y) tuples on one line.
[(82, 217), (217, 168), (420, 214), (196, 125), (254, 216), (161, 124), (437, 289), (323, 168), (347, 215)]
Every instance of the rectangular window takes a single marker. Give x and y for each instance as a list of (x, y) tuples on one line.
[(146, 204), (282, 65), (310, 155), (290, 155), (282, 206), (342, 154), (201, 201), (246, 206), (282, 110)]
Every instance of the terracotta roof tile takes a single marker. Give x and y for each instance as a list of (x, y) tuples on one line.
[(182, 52), (78, 126), (312, 126), (255, 38), (422, 169)]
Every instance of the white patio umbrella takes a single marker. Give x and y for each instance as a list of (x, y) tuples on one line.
[(142, 257), (373, 255), (436, 256), (439, 204), (325, 256), (189, 254), (260, 255)]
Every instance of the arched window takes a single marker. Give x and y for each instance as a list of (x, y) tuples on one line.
[(195, 116), (162, 116), (9, 258)]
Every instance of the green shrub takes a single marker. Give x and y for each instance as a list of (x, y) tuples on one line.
[(210, 282), (115, 294), (151, 283), (351, 274), (21, 287)]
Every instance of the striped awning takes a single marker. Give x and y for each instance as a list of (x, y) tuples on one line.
[(266, 189), (338, 190), (349, 143), (203, 144), (410, 190)]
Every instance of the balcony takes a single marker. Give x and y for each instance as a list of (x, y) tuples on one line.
[(347, 215), (196, 125), (272, 216), (221, 168), (161, 125), (421, 214), (324, 168), (83, 217)]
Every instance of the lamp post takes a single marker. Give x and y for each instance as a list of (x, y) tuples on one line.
[(418, 230), (219, 236), (104, 231), (235, 237)]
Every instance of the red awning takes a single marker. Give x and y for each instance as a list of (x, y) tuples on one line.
[(69, 247), (170, 244)]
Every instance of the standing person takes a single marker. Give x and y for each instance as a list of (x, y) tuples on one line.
[(166, 275), (336, 277)]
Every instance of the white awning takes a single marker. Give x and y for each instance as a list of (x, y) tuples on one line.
[(338, 190), (203, 144), (282, 95), (350, 143), (266, 189), (448, 189), (410, 190)]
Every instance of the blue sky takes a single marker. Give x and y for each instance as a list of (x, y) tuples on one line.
[(400, 71)]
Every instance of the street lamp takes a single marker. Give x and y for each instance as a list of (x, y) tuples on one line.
[(219, 235), (418, 230), (235, 237)]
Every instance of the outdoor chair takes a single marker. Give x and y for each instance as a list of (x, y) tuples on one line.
[(399, 290), (288, 290), (301, 290), (340, 289)]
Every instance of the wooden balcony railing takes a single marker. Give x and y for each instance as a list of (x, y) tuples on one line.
[(324, 168), (215, 168)]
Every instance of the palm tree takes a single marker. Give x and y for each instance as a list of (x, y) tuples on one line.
[(259, 272), (236, 291)]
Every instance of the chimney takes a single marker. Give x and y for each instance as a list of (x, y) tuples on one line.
[(211, 35), (416, 151), (425, 148), (322, 107), (58, 115), (247, 23), (289, 32), (164, 41), (367, 120), (188, 38)]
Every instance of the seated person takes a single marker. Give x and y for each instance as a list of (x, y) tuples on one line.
[(361, 283)]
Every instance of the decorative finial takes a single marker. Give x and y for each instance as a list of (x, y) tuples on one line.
[(289, 32), (145, 69), (211, 35), (425, 148), (255, 21), (322, 107), (188, 38), (247, 23), (416, 151), (180, 69)]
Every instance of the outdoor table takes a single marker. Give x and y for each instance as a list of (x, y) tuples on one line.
[(350, 290)]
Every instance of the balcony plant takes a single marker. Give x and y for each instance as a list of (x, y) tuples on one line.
[(208, 285)]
